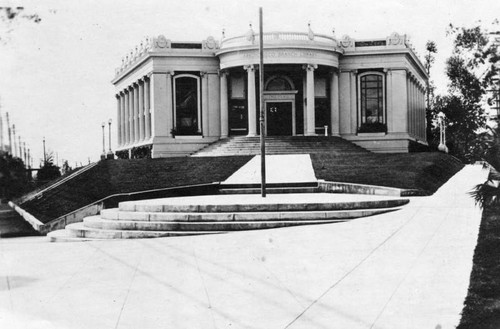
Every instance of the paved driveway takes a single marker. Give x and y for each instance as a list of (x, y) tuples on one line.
[(406, 269)]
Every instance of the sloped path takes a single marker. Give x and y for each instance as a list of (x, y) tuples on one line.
[(407, 269), (289, 168)]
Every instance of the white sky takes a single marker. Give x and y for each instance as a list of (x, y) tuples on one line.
[(55, 76)]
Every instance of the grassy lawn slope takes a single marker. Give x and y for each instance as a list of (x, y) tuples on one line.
[(482, 305), (125, 176), (423, 171)]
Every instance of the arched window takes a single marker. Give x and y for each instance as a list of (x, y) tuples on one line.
[(279, 83), (187, 104), (371, 99)]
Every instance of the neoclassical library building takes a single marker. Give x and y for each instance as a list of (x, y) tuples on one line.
[(175, 97)]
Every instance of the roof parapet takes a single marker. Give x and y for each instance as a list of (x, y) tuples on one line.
[(161, 44)]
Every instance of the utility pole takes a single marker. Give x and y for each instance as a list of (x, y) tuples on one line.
[(24, 153), (20, 147), (14, 151), (10, 133), (2, 146)]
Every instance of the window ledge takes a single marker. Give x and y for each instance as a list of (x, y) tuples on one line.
[(372, 134), (188, 137)]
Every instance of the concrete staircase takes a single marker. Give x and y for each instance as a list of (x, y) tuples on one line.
[(281, 145), (210, 214)]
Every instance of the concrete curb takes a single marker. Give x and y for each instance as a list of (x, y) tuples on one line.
[(96, 207), (32, 220), (338, 187)]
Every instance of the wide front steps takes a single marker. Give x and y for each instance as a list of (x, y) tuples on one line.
[(281, 145), (219, 214)]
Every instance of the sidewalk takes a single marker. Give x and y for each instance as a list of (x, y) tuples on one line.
[(406, 269)]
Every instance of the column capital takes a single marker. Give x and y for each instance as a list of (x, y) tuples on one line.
[(249, 68), (334, 70), (203, 74), (309, 67), (222, 73)]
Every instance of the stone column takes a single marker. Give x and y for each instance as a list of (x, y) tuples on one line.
[(141, 110), (119, 116), (414, 107), (131, 115), (125, 117), (122, 118), (354, 102), (204, 103), (388, 101), (224, 108), (334, 104), (252, 110), (171, 121), (136, 112), (311, 120), (147, 109)]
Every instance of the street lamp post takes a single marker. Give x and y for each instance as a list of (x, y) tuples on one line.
[(44, 153), (103, 155), (442, 132), (110, 152)]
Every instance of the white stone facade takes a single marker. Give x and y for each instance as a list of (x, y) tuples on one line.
[(177, 97)]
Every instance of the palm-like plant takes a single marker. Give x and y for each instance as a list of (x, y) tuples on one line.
[(488, 193)]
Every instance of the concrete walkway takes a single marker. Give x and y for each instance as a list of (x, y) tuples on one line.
[(406, 269), (284, 168)]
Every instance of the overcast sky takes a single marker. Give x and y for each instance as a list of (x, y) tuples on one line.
[(55, 75)]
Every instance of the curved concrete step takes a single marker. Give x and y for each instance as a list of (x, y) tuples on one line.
[(79, 230), (121, 225), (64, 236), (115, 214), (275, 190), (267, 207), (169, 205)]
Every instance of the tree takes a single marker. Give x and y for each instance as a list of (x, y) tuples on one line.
[(488, 193), (13, 179), (10, 16), (470, 69), (431, 49), (66, 169), (48, 171)]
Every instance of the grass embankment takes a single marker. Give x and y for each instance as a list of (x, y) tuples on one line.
[(13, 225), (425, 171), (125, 176), (482, 305)]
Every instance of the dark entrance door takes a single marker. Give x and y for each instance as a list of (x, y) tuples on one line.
[(279, 118)]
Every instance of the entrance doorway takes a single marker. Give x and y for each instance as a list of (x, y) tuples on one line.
[(279, 118)]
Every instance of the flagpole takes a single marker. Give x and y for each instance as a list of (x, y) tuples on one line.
[(262, 117)]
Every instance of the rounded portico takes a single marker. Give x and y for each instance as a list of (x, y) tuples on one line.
[(300, 83)]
